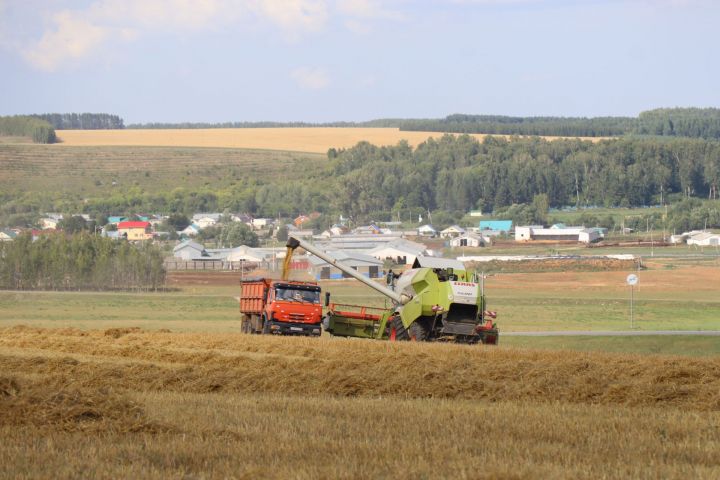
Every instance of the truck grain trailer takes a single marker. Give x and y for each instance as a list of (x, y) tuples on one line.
[(280, 307), (436, 300)]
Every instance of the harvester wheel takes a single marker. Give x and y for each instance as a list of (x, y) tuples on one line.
[(420, 330), (398, 333)]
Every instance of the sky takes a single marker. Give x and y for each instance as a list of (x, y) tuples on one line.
[(355, 60)]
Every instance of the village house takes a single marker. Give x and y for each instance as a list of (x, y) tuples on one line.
[(427, 231), (205, 220), (452, 232), (136, 230), (7, 235), (50, 221)]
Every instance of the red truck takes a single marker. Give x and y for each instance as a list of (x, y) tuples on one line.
[(280, 307)]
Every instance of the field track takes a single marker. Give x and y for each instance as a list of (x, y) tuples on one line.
[(317, 140)]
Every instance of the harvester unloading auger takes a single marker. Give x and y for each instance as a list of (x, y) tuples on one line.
[(433, 302)]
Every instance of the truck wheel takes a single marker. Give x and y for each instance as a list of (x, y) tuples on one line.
[(420, 330), (398, 333), (266, 325)]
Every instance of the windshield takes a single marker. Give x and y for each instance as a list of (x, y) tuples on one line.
[(297, 295)]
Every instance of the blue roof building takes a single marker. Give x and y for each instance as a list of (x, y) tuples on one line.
[(496, 225)]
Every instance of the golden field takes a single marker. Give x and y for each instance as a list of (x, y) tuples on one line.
[(314, 140), (128, 403)]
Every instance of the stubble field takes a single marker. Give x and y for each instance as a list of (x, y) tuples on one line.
[(131, 403), (317, 140)]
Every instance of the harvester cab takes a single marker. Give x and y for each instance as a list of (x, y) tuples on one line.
[(434, 300)]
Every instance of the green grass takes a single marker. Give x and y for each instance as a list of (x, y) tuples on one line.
[(178, 312), (91, 171), (656, 344)]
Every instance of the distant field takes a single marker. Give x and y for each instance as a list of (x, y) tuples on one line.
[(317, 140), (92, 170)]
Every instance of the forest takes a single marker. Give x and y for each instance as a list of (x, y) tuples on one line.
[(82, 121), (79, 261), (38, 130)]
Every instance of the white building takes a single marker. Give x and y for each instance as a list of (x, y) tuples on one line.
[(704, 239), (556, 233), (452, 232), (399, 252), (427, 231), (470, 239), (189, 250), (205, 220)]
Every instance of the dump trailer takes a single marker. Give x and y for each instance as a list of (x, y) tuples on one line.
[(280, 307), (436, 300)]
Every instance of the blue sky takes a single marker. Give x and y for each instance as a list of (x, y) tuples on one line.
[(324, 60)]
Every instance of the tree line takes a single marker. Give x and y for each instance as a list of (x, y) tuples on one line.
[(675, 122), (36, 129), (80, 261), (82, 121)]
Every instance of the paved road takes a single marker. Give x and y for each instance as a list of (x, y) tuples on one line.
[(600, 333)]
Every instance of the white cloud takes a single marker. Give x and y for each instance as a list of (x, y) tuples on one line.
[(311, 78), (76, 34), (71, 38)]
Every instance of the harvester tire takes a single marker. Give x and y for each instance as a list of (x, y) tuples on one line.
[(398, 333), (420, 330), (245, 326)]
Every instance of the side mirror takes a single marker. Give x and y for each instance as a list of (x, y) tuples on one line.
[(327, 299), (389, 277)]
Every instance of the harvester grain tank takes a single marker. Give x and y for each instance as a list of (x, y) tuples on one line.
[(437, 299)]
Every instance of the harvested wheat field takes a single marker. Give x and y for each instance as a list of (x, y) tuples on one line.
[(132, 403), (317, 140)]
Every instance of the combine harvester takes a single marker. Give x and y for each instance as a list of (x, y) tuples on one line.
[(435, 302)]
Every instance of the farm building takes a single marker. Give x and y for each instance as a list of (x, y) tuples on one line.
[(366, 265), (495, 227), (356, 242), (704, 239), (191, 230), (470, 239), (189, 250), (400, 252), (135, 230), (452, 232), (557, 233)]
